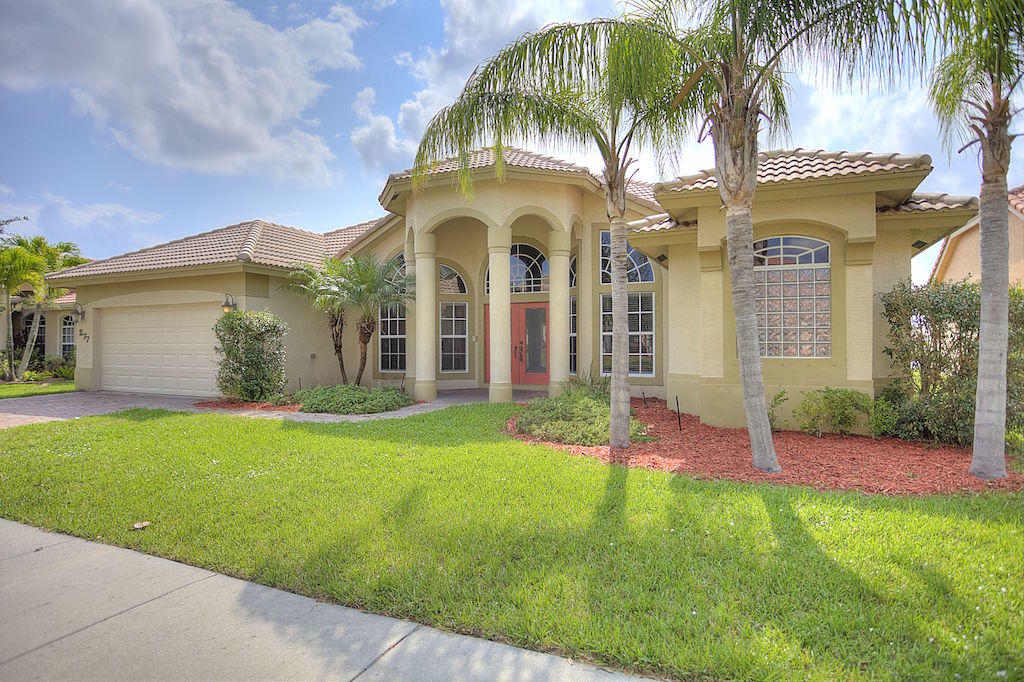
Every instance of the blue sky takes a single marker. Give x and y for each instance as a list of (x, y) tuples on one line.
[(128, 123)]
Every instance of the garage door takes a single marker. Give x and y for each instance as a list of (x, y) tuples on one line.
[(159, 349)]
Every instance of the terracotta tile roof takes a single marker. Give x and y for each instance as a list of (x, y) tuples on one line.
[(255, 241), (931, 201), (521, 158), (67, 299), (659, 222), (1017, 199), (788, 165)]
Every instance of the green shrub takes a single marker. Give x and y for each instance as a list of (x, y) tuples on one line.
[(250, 347), (573, 417), (65, 372), (773, 409), (33, 375), (883, 418), (351, 399), (592, 384), (831, 409)]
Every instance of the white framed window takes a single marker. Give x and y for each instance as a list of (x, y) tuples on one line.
[(793, 297), (573, 339), (638, 267), (641, 333), (529, 271), (454, 336), (392, 338), (572, 273), (67, 336), (40, 334)]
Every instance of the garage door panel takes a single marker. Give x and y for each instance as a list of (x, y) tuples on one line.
[(160, 349)]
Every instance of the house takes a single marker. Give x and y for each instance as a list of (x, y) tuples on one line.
[(960, 256), (56, 336), (512, 285)]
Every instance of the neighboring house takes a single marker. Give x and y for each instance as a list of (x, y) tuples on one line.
[(960, 256), (56, 337), (526, 259)]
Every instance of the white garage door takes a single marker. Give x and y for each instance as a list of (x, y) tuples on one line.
[(159, 349)]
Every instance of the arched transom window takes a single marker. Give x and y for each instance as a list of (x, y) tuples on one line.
[(396, 267), (529, 271), (793, 290), (391, 326), (450, 281), (638, 269), (572, 273)]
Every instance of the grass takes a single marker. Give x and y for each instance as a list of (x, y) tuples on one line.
[(442, 519), (23, 390)]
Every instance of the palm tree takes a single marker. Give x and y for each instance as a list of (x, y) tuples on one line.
[(17, 267), (741, 48), (605, 85), (51, 257), (970, 91), (324, 287), (368, 285)]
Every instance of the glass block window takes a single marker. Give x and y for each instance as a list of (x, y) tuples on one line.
[(638, 268), (67, 336), (793, 297), (392, 338), (454, 336), (641, 334), (529, 271), (450, 282), (572, 335)]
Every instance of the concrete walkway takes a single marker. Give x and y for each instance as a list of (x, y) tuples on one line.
[(60, 406), (73, 609)]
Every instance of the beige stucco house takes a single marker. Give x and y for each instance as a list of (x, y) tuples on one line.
[(57, 324), (960, 256), (512, 288)]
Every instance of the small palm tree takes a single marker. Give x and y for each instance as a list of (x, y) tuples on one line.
[(17, 268), (605, 85), (50, 257), (369, 284), (324, 287), (970, 91)]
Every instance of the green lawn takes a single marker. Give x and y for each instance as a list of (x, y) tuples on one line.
[(442, 519), (23, 390)]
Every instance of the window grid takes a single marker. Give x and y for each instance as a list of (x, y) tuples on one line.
[(392, 338), (450, 282), (454, 336), (572, 273), (67, 336), (572, 335), (641, 333), (41, 333), (792, 285), (529, 271), (638, 268)]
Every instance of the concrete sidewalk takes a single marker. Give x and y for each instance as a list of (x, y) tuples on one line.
[(70, 608)]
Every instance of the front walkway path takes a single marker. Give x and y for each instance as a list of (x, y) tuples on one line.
[(74, 609), (55, 407)]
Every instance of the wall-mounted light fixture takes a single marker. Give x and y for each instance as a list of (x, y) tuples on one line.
[(78, 312), (229, 303)]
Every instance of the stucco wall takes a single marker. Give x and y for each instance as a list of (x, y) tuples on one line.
[(962, 256)]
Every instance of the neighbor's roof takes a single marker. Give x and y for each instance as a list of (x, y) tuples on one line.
[(520, 158), (659, 222), (931, 201), (254, 241), (790, 165), (1017, 199)]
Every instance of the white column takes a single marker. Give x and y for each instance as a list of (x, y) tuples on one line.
[(558, 311), (426, 317), (499, 247), (410, 324)]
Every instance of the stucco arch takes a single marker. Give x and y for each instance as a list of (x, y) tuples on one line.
[(793, 226), (442, 217), (548, 216)]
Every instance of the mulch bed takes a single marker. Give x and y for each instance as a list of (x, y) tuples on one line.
[(225, 404), (883, 465)]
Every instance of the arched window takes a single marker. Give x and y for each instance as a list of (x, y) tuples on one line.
[(573, 320), (67, 336), (638, 268), (41, 335), (529, 271), (572, 273), (793, 290), (450, 282), (391, 326), (396, 267)]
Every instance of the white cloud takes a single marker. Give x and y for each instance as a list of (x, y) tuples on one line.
[(189, 84), (6, 190), (102, 213), (376, 141)]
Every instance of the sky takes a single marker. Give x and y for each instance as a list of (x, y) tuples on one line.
[(127, 123)]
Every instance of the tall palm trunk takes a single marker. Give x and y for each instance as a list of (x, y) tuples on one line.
[(366, 329), (9, 337), (736, 171), (989, 458), (619, 432), (336, 323), (30, 344)]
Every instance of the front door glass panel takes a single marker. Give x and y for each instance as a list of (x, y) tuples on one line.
[(536, 356)]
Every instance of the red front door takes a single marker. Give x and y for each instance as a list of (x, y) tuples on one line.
[(529, 343)]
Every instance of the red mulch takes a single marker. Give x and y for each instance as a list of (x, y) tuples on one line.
[(884, 465), (226, 404)]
